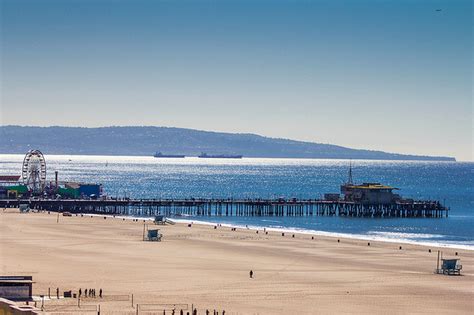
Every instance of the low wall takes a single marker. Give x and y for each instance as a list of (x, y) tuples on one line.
[(8, 307)]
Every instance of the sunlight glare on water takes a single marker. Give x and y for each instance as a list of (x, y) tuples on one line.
[(149, 177)]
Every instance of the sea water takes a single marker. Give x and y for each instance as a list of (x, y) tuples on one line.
[(451, 183)]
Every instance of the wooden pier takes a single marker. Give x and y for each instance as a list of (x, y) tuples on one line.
[(237, 207)]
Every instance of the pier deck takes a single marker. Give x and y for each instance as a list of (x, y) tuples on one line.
[(238, 207)]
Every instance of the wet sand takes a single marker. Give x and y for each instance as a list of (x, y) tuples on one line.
[(209, 268)]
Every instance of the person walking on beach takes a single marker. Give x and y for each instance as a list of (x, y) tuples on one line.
[(100, 293), (80, 292), (251, 274)]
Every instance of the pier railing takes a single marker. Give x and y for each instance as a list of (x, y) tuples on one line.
[(238, 207)]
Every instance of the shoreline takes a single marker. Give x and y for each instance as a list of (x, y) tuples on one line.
[(332, 235), (335, 235)]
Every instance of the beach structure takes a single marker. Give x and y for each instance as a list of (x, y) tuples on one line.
[(82, 190), (68, 191), (154, 235), (364, 200), (160, 220), (370, 193), (11, 187), (8, 307), (9, 180), (367, 193), (239, 207), (450, 267), (15, 190), (33, 171), (16, 288), (24, 207), (332, 197), (32, 182)]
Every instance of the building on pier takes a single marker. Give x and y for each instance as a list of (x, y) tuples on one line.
[(11, 187), (370, 193), (80, 190)]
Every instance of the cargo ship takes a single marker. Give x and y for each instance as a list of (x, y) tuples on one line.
[(219, 156), (161, 155)]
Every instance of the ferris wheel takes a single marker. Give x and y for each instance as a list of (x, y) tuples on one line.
[(34, 171)]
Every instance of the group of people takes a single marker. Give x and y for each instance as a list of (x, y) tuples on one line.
[(194, 312), (90, 293)]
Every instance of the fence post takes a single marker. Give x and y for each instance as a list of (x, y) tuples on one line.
[(437, 264)]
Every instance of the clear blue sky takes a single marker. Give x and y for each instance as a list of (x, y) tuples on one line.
[(387, 75)]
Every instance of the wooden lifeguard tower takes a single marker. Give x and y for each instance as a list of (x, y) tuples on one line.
[(450, 267), (152, 235)]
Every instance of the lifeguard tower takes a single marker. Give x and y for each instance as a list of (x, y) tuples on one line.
[(153, 235), (450, 267)]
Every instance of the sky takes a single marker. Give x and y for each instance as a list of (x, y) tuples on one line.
[(384, 75)]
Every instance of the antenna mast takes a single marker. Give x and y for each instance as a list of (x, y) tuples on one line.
[(349, 181)]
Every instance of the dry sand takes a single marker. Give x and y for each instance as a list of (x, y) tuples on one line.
[(210, 268)]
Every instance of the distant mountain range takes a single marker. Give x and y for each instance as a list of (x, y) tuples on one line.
[(148, 140)]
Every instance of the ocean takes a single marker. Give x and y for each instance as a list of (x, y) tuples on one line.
[(147, 177)]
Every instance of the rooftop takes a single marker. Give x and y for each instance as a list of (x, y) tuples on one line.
[(9, 178), (374, 186), (16, 281)]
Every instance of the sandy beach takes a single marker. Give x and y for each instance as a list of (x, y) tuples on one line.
[(209, 268)]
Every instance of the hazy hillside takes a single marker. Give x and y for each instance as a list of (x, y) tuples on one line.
[(147, 140)]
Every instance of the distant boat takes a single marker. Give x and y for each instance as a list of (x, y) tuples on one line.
[(219, 156), (161, 155)]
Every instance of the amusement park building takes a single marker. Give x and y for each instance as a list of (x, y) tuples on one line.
[(11, 187), (80, 190)]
